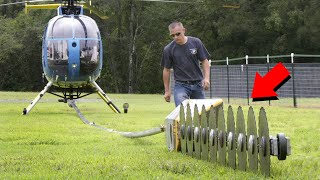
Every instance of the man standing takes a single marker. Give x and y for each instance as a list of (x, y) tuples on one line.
[(183, 55)]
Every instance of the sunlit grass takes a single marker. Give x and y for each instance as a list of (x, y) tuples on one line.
[(52, 143)]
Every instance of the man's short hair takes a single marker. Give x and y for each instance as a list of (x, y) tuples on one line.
[(175, 24)]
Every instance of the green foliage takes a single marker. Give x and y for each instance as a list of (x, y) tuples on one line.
[(20, 57), (52, 143), (136, 32)]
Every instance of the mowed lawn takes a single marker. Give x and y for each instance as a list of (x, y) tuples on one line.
[(52, 142)]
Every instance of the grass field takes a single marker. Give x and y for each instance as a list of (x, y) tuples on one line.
[(52, 143)]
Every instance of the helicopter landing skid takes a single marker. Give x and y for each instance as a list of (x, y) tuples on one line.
[(105, 97), (34, 102)]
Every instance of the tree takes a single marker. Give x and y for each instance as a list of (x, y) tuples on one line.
[(136, 32)]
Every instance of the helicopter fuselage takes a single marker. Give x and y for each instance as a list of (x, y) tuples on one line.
[(71, 51)]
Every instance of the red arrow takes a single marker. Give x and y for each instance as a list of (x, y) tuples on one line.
[(264, 87)]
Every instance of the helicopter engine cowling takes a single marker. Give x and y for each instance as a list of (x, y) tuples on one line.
[(72, 51)]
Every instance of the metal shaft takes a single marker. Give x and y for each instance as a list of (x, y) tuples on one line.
[(34, 102), (105, 97), (149, 132)]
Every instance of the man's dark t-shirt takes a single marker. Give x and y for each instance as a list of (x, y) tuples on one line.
[(184, 59)]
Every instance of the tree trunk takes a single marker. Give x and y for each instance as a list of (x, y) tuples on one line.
[(131, 47)]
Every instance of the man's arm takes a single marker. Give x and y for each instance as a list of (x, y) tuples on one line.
[(206, 74), (166, 83)]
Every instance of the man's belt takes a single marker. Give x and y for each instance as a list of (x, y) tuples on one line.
[(189, 82)]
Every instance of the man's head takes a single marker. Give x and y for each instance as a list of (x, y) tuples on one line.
[(177, 32)]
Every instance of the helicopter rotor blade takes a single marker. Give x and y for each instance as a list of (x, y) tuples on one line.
[(23, 2), (87, 5), (166, 1), (235, 6)]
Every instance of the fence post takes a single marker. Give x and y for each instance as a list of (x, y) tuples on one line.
[(228, 80), (268, 65), (247, 58), (293, 84), (210, 90)]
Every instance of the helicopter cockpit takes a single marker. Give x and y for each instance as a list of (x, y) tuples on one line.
[(73, 46)]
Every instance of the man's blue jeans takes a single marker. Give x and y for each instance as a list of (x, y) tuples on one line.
[(183, 91)]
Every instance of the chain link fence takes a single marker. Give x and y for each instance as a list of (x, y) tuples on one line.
[(233, 79)]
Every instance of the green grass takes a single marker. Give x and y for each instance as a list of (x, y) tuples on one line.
[(52, 143), (284, 102)]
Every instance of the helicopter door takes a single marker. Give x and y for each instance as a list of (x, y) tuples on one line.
[(74, 59)]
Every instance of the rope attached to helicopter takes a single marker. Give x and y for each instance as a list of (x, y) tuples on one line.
[(139, 134)]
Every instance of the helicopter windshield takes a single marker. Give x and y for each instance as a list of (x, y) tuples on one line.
[(73, 46), (89, 55), (60, 28), (72, 27), (57, 50), (85, 28)]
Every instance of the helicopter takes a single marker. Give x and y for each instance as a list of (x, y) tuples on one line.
[(72, 52), (71, 55)]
